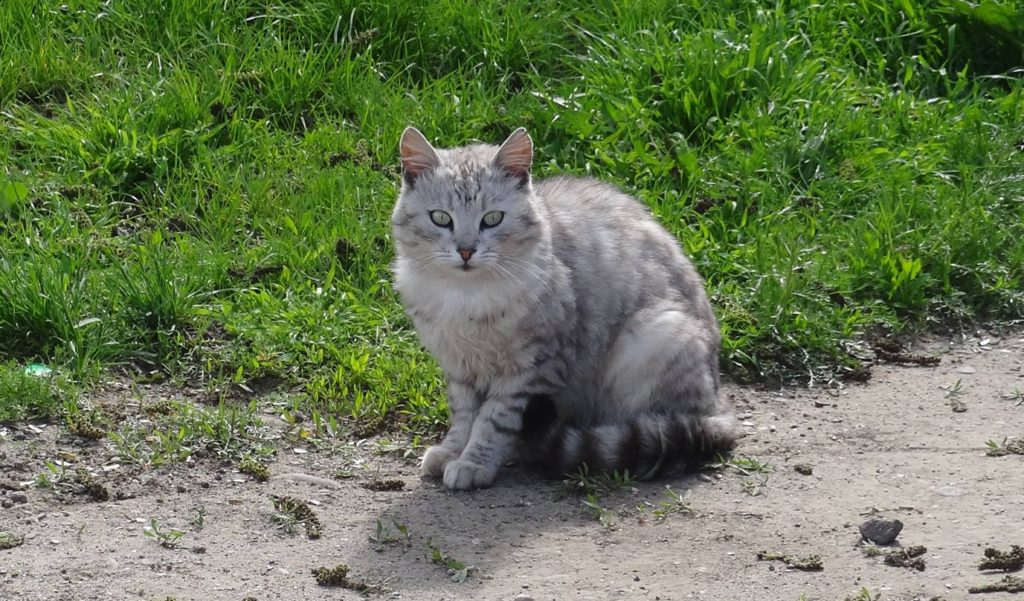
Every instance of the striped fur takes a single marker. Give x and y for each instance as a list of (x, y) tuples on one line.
[(573, 331)]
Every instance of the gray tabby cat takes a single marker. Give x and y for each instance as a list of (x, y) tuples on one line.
[(568, 322)]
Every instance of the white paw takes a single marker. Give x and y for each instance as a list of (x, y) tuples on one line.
[(435, 460), (466, 475)]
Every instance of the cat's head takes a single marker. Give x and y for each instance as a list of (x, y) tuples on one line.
[(466, 210)]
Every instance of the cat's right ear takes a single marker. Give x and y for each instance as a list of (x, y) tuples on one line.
[(418, 156)]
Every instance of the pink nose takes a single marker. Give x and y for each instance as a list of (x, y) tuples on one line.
[(466, 253)]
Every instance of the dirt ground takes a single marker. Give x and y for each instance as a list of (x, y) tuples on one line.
[(909, 444)]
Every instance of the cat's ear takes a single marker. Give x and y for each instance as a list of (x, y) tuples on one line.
[(418, 156), (515, 156)]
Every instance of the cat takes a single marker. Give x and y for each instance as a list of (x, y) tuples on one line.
[(570, 326)]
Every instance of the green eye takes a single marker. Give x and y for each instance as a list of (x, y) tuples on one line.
[(441, 219), (492, 219)]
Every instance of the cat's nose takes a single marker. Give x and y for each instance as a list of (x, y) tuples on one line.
[(466, 253)]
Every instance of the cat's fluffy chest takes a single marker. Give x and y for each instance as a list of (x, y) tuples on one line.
[(474, 332)]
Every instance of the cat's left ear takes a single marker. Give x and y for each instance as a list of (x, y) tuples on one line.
[(516, 155)]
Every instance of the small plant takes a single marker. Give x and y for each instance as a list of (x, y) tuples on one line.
[(200, 520), (673, 503), (864, 595), (291, 511), (592, 506), (165, 538), (954, 389), (457, 570), (389, 533), (586, 484), (1006, 447), (1016, 397), (55, 474), (743, 464)]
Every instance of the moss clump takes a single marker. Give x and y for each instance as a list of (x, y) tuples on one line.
[(10, 540), (1009, 561), (162, 407), (1009, 584), (85, 427), (811, 563), (909, 557), (255, 469), (96, 490), (338, 576), (298, 511), (384, 485)]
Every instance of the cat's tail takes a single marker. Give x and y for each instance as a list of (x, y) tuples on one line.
[(647, 446)]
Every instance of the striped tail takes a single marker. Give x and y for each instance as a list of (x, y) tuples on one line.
[(648, 445)]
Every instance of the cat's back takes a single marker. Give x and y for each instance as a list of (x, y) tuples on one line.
[(589, 216), (615, 246), (590, 201)]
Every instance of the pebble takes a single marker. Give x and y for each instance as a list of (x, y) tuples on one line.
[(523, 597), (880, 530), (19, 497)]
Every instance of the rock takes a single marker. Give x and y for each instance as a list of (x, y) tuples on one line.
[(880, 530), (523, 597), (19, 497)]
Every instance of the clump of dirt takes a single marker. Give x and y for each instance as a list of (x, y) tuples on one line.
[(255, 469), (384, 485), (803, 469), (1009, 561), (909, 557), (338, 576), (811, 563), (1009, 584), (892, 352), (298, 511)]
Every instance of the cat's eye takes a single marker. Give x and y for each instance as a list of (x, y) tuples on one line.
[(492, 219), (441, 219)]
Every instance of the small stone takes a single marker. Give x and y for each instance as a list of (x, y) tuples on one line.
[(966, 369), (19, 497), (803, 468), (523, 597), (181, 488), (880, 530)]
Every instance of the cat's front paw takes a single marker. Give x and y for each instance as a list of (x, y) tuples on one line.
[(435, 460), (461, 474)]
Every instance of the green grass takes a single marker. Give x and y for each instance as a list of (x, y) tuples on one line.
[(204, 189), (25, 396)]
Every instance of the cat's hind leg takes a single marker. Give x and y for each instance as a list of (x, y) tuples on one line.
[(663, 360)]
